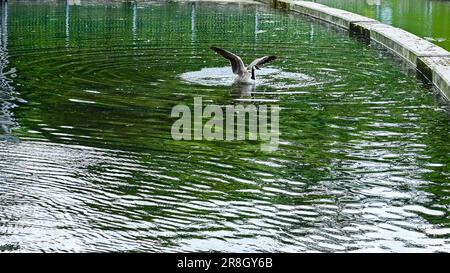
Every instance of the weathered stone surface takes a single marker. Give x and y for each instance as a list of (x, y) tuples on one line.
[(405, 44), (441, 78), (334, 16), (431, 60), (439, 70)]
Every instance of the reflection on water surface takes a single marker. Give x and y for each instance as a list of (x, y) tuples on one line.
[(87, 161)]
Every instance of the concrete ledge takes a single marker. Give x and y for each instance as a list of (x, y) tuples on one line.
[(438, 70), (429, 59), (405, 44), (333, 16)]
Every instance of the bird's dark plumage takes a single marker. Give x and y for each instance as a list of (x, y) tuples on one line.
[(238, 66)]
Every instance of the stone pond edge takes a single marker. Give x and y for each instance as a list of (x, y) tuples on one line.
[(430, 60)]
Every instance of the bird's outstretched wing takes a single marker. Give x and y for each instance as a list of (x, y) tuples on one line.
[(260, 61), (236, 62)]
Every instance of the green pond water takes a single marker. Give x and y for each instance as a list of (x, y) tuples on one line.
[(88, 163), (429, 19)]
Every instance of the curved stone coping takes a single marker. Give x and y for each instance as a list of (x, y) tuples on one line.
[(430, 60)]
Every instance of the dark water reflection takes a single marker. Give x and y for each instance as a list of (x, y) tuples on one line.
[(363, 163)]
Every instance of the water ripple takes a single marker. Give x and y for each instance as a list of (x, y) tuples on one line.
[(362, 165)]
